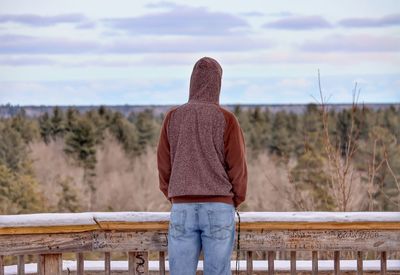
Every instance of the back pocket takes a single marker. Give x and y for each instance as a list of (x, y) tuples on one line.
[(221, 223), (177, 223)]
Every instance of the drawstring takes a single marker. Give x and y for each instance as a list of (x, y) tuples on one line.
[(238, 244)]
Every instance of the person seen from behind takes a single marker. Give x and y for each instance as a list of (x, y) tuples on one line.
[(201, 159)]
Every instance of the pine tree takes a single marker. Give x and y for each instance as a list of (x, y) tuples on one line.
[(259, 134), (80, 143), (45, 127), (146, 130), (57, 123), (71, 118), (13, 149), (308, 175), (280, 143), (68, 197), (99, 124), (25, 126), (125, 132)]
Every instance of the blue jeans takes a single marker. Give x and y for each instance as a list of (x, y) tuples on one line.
[(207, 226)]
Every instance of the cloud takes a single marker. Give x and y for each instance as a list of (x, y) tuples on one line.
[(353, 43), (299, 23), (162, 4), (193, 44), (88, 24), (80, 92), (27, 61), (281, 13), (252, 13), (18, 44), (299, 82), (35, 45), (176, 59), (181, 20), (366, 22), (40, 21)]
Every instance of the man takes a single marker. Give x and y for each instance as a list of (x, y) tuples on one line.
[(202, 168)]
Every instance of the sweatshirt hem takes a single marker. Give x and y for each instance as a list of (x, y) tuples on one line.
[(202, 198)]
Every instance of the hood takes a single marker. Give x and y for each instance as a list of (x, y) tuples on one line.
[(205, 82)]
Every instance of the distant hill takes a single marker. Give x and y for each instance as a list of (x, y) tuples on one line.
[(8, 110)]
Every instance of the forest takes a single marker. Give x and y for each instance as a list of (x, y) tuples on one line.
[(101, 160)]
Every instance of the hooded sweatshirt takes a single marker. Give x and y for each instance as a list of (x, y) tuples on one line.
[(201, 152)]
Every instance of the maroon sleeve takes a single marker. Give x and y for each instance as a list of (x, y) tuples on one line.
[(235, 158), (163, 157)]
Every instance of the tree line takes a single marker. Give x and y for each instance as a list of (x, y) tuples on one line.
[(325, 151)]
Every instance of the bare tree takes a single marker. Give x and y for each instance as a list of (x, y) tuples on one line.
[(340, 169), (375, 165)]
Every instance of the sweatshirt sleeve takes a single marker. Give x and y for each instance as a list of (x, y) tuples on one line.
[(235, 159), (163, 157)]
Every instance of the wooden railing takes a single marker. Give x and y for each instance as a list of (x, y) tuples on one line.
[(138, 233)]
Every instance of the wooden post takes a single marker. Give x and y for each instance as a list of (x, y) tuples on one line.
[(80, 268), (162, 262), (138, 263), (314, 262), (1, 265), (292, 262), (107, 263), (383, 263), (359, 263), (21, 265), (50, 264), (336, 257), (249, 262), (271, 257)]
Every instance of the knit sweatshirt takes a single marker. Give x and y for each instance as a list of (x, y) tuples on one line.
[(201, 153)]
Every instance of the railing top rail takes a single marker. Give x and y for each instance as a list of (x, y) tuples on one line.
[(86, 221)]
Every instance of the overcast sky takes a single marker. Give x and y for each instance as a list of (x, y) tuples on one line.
[(142, 52)]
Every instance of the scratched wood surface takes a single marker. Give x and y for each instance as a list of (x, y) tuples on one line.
[(144, 226), (41, 223), (306, 240)]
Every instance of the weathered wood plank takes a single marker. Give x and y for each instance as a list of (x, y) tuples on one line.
[(130, 241), (80, 268), (46, 229), (306, 240), (318, 225), (47, 243), (249, 262), (163, 225), (280, 240), (42, 223), (107, 263), (50, 264)]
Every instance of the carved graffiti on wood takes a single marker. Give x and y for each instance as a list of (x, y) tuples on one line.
[(320, 240), (140, 263)]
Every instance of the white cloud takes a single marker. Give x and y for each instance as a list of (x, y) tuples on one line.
[(294, 83)]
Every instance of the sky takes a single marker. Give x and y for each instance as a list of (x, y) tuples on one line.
[(140, 52)]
